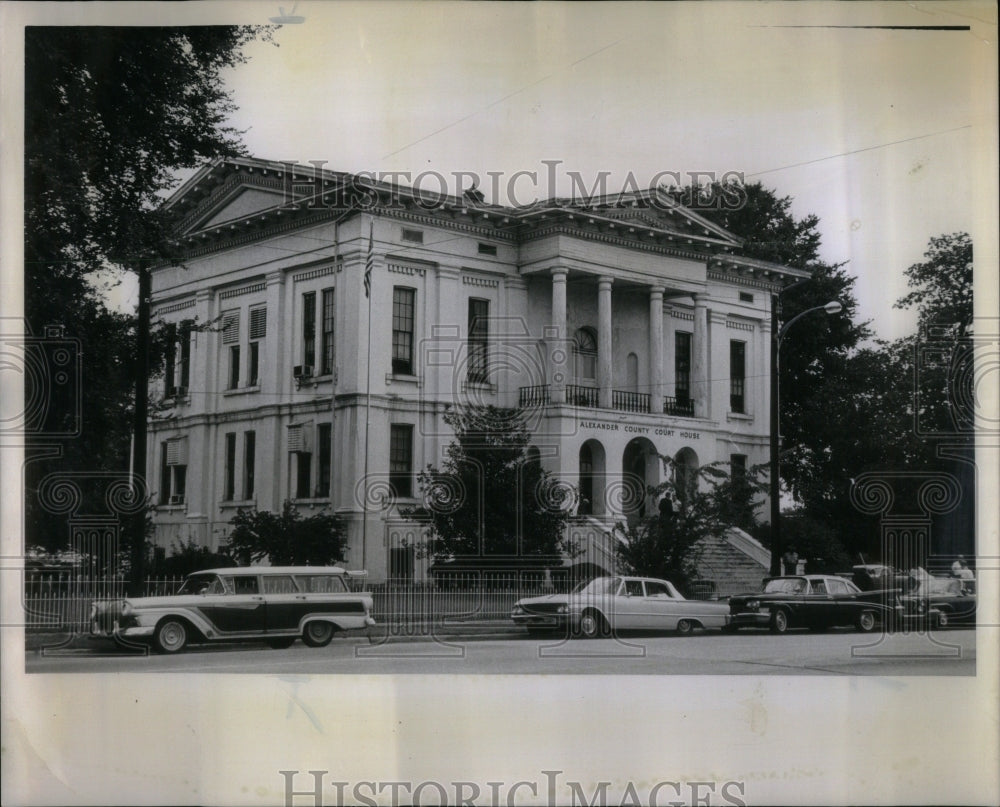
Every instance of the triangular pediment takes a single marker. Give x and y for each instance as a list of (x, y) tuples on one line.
[(238, 204)]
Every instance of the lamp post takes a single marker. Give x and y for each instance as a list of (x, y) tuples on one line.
[(777, 334)]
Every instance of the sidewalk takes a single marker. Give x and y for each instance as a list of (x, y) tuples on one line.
[(485, 630)]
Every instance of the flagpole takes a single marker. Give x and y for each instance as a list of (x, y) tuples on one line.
[(368, 392)]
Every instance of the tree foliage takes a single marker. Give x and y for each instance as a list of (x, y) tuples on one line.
[(287, 538), (692, 507), (490, 497), (942, 285), (110, 115)]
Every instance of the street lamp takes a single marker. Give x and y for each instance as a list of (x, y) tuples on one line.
[(778, 333)]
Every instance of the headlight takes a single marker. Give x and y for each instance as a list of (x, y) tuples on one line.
[(562, 609), (517, 609), (753, 605), (126, 607)]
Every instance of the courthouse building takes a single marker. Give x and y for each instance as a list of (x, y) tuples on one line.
[(622, 325)]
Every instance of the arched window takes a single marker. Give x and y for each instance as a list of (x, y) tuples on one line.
[(632, 372), (585, 354)]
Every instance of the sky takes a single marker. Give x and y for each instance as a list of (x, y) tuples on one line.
[(873, 130)]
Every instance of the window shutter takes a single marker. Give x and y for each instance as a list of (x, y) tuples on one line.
[(258, 322), (298, 438), (177, 453), (231, 328)]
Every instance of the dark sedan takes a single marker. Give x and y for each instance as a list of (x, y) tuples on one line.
[(811, 601)]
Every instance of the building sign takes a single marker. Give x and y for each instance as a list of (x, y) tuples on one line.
[(631, 428)]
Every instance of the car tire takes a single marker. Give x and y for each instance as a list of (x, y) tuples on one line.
[(171, 636), (779, 621), (317, 634), (281, 642), (866, 621), (593, 625), (685, 627)]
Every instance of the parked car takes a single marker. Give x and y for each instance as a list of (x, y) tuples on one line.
[(277, 604), (941, 601), (812, 601), (606, 604)]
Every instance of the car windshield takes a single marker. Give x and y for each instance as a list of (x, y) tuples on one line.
[(785, 585), (599, 585)]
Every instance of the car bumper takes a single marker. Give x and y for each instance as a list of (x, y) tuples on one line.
[(541, 620), (750, 619), (130, 632)]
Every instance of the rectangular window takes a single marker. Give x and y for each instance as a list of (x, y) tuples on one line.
[(487, 249), (234, 367), (401, 459), (682, 366), (249, 463), (413, 236), (229, 490), (253, 365), (403, 306), (303, 476), (309, 329), (230, 327), (185, 339), (180, 484), (170, 368), (737, 376), (164, 475), (324, 449), (479, 338), (327, 366), (746, 297)]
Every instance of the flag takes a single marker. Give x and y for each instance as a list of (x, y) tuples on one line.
[(371, 259)]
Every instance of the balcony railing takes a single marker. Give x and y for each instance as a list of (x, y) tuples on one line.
[(679, 407), (533, 396), (629, 401), (582, 396), (621, 400)]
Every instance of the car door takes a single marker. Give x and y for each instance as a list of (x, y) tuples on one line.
[(663, 611), (284, 604), (846, 603), (819, 607), (629, 606), (240, 609)]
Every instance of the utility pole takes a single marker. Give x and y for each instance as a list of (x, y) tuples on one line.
[(775, 492), (138, 532)]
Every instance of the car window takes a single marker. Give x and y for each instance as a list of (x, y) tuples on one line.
[(838, 587), (321, 583), (242, 584), (633, 588), (279, 584), (818, 587), (657, 590), (785, 585), (198, 584)]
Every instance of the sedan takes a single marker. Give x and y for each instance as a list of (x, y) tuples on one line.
[(606, 604), (812, 601)]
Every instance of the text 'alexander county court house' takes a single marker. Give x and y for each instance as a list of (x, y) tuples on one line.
[(622, 324)]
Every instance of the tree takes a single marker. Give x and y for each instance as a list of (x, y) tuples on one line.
[(490, 497), (692, 507), (942, 285), (187, 558), (110, 115), (286, 538)]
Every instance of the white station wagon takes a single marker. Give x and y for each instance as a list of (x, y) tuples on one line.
[(277, 604)]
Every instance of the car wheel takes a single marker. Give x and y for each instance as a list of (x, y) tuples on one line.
[(281, 642), (866, 621), (593, 625), (685, 627), (317, 634), (171, 636), (779, 622)]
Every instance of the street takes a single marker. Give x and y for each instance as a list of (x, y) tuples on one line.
[(837, 652)]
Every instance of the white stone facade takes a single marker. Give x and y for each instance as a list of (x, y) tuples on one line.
[(585, 309)]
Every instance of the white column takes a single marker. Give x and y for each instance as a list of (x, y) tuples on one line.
[(558, 347), (656, 350), (272, 367), (699, 359), (604, 346)]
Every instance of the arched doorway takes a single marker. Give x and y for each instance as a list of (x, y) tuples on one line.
[(640, 471), (592, 473), (685, 474)]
